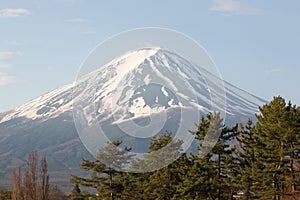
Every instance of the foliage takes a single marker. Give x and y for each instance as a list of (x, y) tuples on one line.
[(278, 129), (257, 161), (215, 169), (104, 178)]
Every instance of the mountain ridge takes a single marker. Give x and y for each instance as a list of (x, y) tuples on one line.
[(46, 123), (17, 111)]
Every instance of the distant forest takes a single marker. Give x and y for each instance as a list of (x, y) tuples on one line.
[(248, 161)]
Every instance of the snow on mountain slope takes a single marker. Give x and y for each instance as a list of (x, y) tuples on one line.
[(150, 81), (46, 106), (105, 91)]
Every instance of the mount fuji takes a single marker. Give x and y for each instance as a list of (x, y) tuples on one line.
[(135, 90)]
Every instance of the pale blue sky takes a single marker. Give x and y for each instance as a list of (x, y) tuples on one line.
[(255, 44)]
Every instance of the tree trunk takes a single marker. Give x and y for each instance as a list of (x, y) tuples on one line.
[(110, 184), (219, 176), (292, 171)]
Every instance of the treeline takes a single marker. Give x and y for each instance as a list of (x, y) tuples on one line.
[(33, 184), (251, 161)]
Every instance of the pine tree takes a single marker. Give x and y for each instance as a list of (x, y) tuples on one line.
[(197, 181), (201, 175), (162, 183), (292, 139), (278, 129), (76, 193), (105, 179), (219, 164), (135, 185), (163, 150), (248, 152)]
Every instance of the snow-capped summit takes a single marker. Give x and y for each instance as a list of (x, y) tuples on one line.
[(129, 90), (142, 70), (125, 87)]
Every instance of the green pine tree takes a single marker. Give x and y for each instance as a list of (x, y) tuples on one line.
[(162, 183), (248, 152), (278, 129), (104, 178), (216, 165), (76, 193)]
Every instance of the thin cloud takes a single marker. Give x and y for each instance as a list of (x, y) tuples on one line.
[(67, 1), (76, 20), (5, 55), (88, 32), (7, 79), (9, 43), (273, 71), (5, 65), (5, 59), (12, 43), (14, 12), (234, 7)]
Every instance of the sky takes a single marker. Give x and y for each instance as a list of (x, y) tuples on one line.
[(255, 44)]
